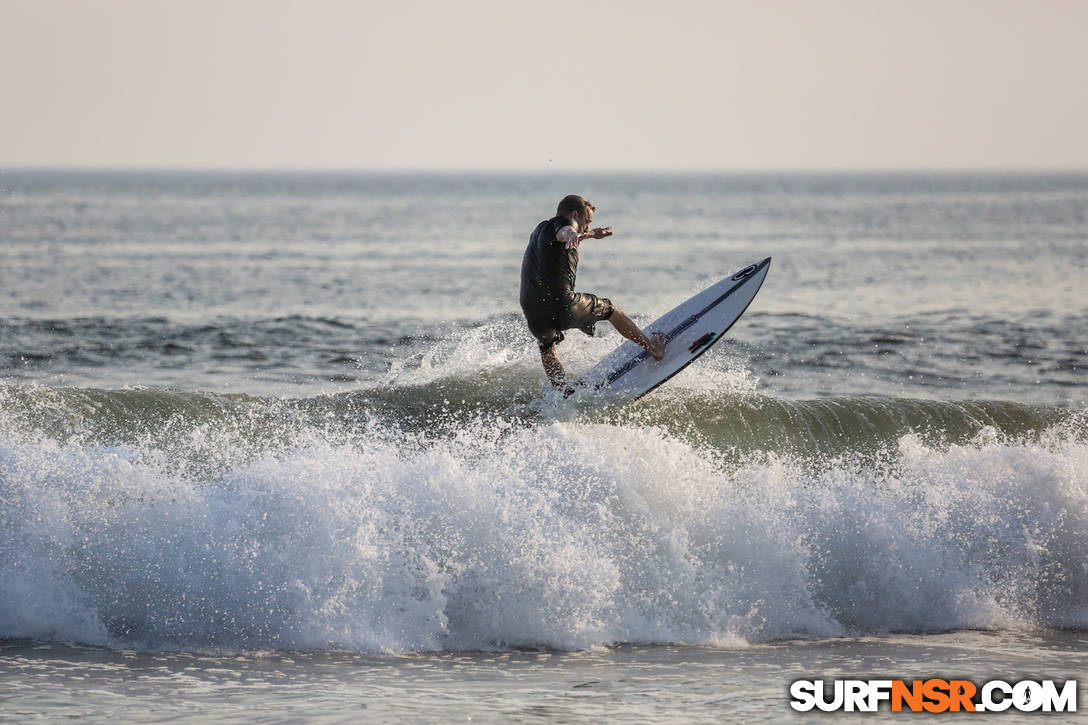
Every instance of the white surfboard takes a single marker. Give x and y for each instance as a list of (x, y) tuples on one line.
[(690, 330)]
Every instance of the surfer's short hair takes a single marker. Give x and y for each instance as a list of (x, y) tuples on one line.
[(574, 203)]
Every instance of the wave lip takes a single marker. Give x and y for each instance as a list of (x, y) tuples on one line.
[(720, 411)]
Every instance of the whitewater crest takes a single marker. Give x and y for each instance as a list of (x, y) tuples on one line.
[(499, 532)]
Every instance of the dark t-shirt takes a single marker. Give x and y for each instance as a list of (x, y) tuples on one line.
[(548, 268)]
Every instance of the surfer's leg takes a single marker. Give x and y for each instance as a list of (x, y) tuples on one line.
[(653, 344), (552, 366), (547, 337)]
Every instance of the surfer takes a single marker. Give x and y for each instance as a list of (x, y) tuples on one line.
[(548, 298)]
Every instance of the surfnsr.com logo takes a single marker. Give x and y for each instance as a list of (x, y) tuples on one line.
[(934, 695)]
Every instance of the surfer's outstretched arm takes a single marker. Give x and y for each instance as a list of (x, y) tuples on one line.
[(552, 366), (653, 344)]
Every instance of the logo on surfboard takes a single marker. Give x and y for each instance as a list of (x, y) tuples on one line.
[(701, 342), (744, 273)]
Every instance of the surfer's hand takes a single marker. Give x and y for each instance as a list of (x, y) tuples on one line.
[(600, 232)]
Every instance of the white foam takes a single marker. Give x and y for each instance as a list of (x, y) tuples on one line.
[(564, 535), (467, 353), (504, 349)]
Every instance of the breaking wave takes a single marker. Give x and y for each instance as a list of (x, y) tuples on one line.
[(441, 516)]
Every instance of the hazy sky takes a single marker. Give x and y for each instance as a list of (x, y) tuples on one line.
[(538, 85)]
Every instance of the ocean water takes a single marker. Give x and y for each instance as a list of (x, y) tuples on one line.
[(279, 446)]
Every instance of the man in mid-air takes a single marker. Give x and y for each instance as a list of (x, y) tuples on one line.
[(548, 298)]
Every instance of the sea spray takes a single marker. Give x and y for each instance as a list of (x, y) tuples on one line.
[(499, 532)]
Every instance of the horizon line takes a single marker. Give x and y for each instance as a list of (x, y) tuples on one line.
[(619, 170)]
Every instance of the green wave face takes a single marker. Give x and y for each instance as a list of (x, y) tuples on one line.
[(724, 421)]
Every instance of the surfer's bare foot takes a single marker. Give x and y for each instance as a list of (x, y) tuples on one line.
[(657, 345), (653, 343)]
